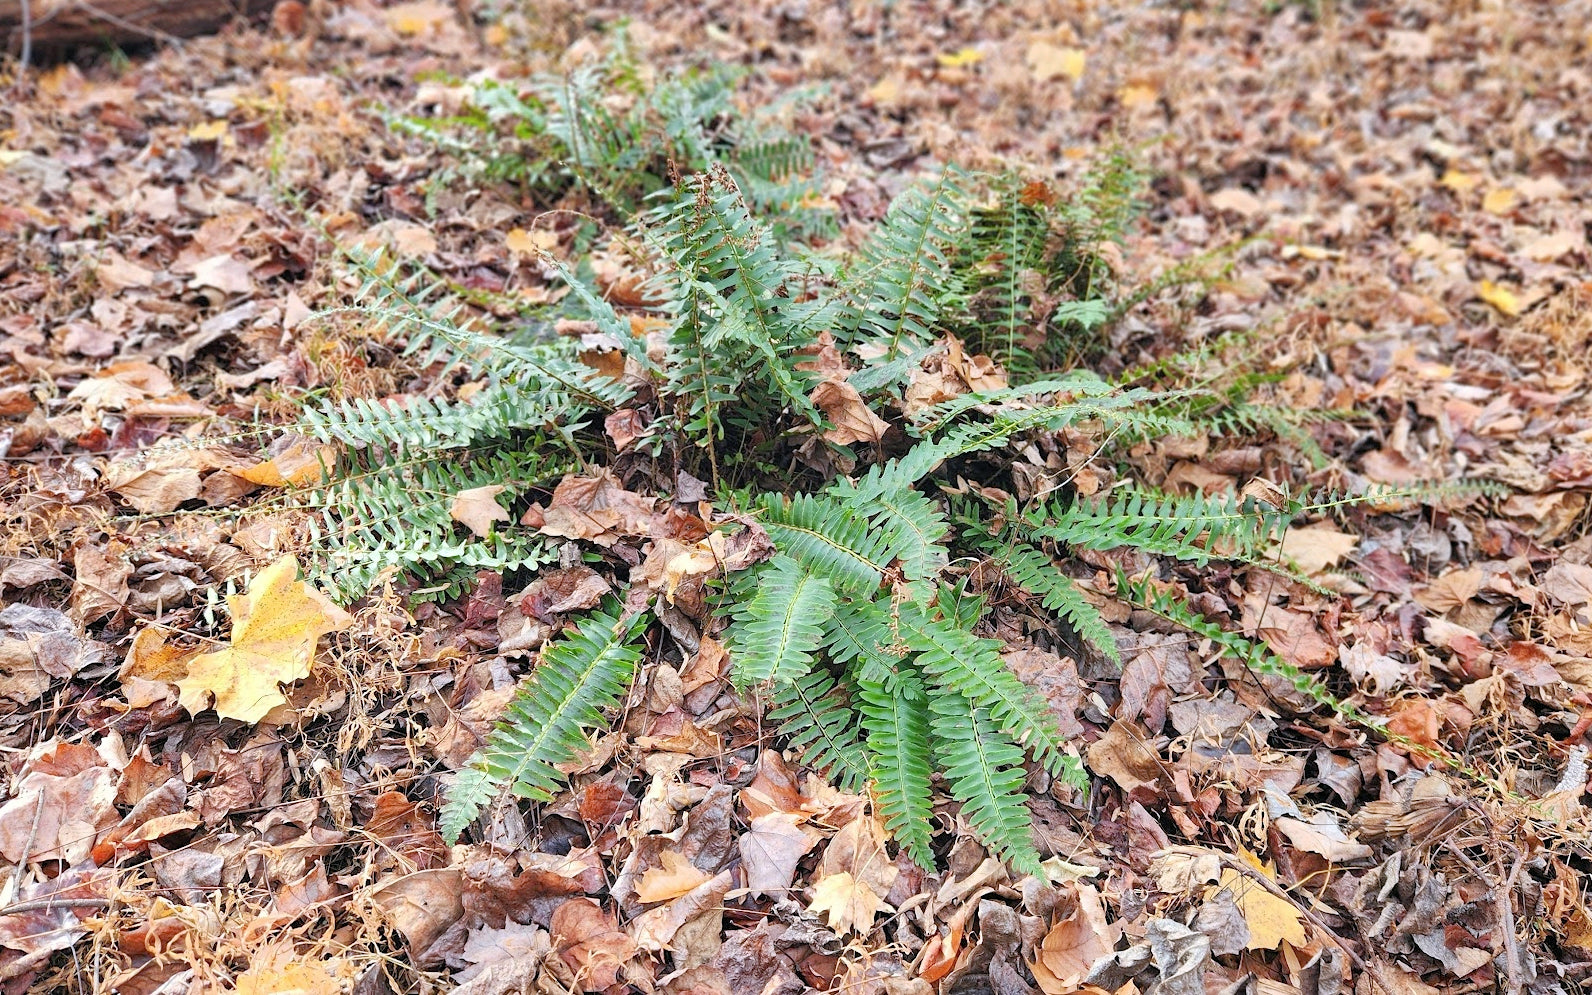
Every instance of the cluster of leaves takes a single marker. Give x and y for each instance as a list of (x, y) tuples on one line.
[(855, 626)]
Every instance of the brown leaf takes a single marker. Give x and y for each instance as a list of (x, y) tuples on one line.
[(595, 508), (854, 876), (422, 905), (478, 509), (1122, 755), (674, 878), (65, 797), (1317, 547), (770, 850), (850, 417), (100, 586), (588, 940), (1075, 942)]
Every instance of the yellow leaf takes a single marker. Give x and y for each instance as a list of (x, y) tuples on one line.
[(676, 877), (275, 627), (1501, 298), (303, 462), (1498, 200), (851, 904), (1137, 95), (418, 17), (958, 59), (208, 131), (1048, 62), (887, 89), (279, 970), (1459, 182), (1270, 919), (478, 509), (530, 243)]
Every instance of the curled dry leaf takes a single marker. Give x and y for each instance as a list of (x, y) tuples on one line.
[(1075, 943), (851, 420), (674, 877), (592, 945)]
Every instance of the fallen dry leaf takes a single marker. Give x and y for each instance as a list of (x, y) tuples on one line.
[(673, 878), (771, 849), (275, 627), (850, 417), (589, 941), (1270, 919), (478, 509), (1074, 943)]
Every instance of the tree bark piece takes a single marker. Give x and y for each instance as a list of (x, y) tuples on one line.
[(57, 24)]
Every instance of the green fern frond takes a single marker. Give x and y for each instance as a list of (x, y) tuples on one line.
[(905, 271), (985, 769), (1033, 571), (779, 628), (1194, 528), (829, 538), (896, 718), (954, 660), (576, 678), (819, 723), (860, 635)]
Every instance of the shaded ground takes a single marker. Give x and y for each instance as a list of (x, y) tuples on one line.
[(1412, 182)]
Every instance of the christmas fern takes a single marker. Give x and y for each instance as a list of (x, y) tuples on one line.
[(874, 664), (575, 681)]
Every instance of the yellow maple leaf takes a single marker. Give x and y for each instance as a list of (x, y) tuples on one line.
[(530, 243), (277, 969), (1459, 182), (1270, 919), (275, 626), (1502, 298), (851, 904), (960, 58)]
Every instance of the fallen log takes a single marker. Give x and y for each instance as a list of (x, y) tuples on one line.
[(54, 25)]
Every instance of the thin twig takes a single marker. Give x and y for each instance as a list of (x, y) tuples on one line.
[(14, 885), (46, 904)]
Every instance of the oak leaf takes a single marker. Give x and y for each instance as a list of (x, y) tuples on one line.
[(275, 626)]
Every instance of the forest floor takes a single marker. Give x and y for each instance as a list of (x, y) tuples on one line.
[(1403, 194)]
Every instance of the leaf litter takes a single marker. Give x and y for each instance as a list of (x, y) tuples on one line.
[(189, 810)]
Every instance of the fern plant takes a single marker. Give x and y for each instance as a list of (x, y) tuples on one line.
[(599, 129), (872, 656)]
